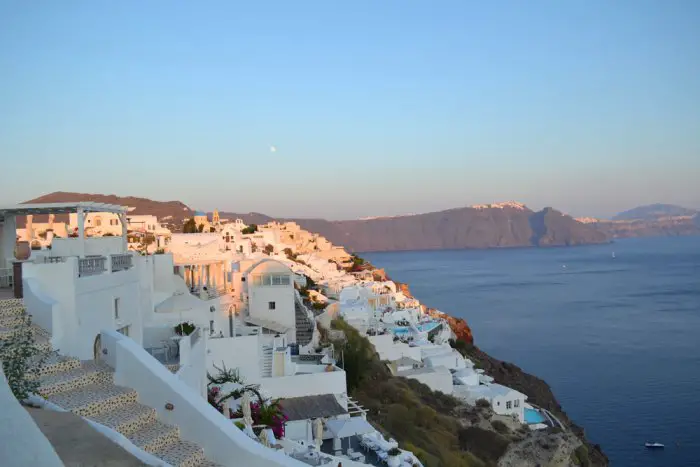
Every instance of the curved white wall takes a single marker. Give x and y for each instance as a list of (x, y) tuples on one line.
[(21, 442)]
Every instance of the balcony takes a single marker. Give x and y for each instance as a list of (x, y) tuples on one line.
[(95, 265), (121, 262), (91, 266)]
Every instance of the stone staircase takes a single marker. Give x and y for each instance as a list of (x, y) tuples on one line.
[(304, 325), (86, 388)]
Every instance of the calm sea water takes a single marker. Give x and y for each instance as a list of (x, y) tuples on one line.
[(617, 338)]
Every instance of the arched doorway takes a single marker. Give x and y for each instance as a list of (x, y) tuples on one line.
[(97, 347)]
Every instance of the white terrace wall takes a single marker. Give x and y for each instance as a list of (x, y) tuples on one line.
[(22, 443), (300, 385), (198, 421), (237, 352), (45, 310), (93, 246), (86, 303)]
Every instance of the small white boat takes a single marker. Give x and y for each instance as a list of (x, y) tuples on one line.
[(654, 445)]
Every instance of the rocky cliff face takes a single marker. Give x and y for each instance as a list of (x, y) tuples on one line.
[(488, 226), (539, 393), (483, 227)]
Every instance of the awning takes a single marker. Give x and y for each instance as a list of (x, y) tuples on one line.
[(349, 427), (179, 304)]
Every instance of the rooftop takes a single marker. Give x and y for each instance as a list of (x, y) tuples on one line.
[(309, 407)]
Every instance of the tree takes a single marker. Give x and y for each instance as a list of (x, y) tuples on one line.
[(212, 229), (251, 229), (22, 360), (189, 227), (269, 249), (200, 228)]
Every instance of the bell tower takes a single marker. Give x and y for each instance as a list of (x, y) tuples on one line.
[(215, 217)]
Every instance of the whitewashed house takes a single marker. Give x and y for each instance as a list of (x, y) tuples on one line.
[(503, 400)]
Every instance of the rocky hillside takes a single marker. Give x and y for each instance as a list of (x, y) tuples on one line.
[(169, 212), (487, 226)]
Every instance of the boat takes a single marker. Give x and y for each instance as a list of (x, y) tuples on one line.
[(613, 255), (654, 445)]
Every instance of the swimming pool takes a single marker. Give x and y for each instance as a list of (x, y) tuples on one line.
[(533, 416), (423, 327)]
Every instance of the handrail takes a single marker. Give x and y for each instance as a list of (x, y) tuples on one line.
[(121, 262), (91, 266)]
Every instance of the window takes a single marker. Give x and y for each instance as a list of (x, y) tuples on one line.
[(509, 405), (124, 331), (271, 305), (116, 308), (211, 327), (516, 403), (98, 221)]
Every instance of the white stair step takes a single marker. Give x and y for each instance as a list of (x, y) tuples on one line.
[(93, 399), (154, 436), (56, 363), (11, 303), (87, 373), (127, 418), (181, 454)]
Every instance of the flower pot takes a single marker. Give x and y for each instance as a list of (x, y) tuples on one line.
[(22, 251)]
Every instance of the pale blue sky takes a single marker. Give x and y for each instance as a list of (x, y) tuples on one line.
[(376, 107)]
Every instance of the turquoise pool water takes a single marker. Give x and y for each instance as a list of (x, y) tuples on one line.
[(533, 416), (423, 327)]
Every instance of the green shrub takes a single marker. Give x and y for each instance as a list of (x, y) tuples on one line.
[(483, 403), (251, 229), (486, 445), (500, 427), (580, 456), (21, 360), (184, 329)]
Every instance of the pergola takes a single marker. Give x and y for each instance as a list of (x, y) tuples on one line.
[(8, 215)]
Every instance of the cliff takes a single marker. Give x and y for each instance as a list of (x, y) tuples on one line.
[(488, 226), (470, 227), (539, 393)]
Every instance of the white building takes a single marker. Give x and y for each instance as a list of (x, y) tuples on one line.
[(88, 298), (503, 400)]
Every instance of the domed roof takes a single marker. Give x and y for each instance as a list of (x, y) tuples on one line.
[(199, 213)]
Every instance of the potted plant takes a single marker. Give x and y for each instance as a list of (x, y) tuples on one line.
[(184, 329), (394, 460)]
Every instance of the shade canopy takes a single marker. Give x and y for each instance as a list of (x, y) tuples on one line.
[(344, 428), (60, 208)]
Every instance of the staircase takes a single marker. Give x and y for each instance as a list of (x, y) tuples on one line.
[(86, 388), (266, 363), (304, 325)]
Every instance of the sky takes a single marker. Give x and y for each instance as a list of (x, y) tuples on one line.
[(373, 108)]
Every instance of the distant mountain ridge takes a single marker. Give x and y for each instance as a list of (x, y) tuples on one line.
[(654, 212), (500, 225), (654, 220)]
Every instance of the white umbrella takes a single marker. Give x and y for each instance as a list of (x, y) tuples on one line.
[(318, 435), (245, 407), (264, 440)]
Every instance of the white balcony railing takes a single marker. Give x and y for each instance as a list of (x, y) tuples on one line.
[(54, 259), (121, 262), (91, 266)]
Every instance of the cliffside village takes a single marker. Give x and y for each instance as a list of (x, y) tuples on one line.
[(216, 347)]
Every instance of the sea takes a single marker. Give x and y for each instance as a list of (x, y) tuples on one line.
[(614, 329)]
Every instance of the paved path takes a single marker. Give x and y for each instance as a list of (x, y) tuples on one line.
[(78, 444)]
